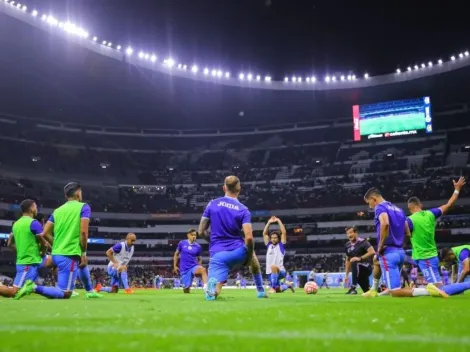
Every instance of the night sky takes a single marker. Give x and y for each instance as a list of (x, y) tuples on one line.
[(277, 37)]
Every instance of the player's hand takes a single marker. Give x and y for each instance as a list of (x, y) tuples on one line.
[(83, 261), (122, 268), (346, 281), (459, 184), (355, 259), (176, 270), (116, 266)]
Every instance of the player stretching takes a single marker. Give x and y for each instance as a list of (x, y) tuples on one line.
[(188, 254), (390, 227), (275, 256), (28, 239), (461, 255), (228, 250), (119, 257), (325, 281), (69, 224)]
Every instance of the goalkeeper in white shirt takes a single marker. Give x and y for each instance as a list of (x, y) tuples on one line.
[(275, 242)]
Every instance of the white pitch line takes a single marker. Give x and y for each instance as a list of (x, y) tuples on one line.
[(303, 335)]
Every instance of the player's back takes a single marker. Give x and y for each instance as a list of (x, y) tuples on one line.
[(227, 216), (66, 221), (397, 220), (27, 247)]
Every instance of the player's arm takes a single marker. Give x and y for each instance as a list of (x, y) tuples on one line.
[(204, 228), (199, 260), (85, 216), (369, 254), (176, 259), (248, 231), (266, 231), (408, 227), (458, 186), (283, 231), (348, 269), (48, 229), (465, 260), (454, 272), (110, 255), (11, 242), (384, 230)]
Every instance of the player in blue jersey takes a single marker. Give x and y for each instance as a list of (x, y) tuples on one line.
[(228, 250), (187, 261)]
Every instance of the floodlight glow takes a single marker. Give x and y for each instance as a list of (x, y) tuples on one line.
[(430, 63), (34, 13), (258, 78), (313, 79), (452, 58), (299, 79), (327, 79), (366, 75), (194, 69), (95, 39), (286, 79), (104, 42), (185, 67), (423, 65), (227, 74), (461, 55), (206, 71), (170, 62), (398, 70), (353, 77), (219, 73), (466, 53), (52, 21), (146, 56), (308, 79), (349, 77), (241, 76), (129, 51), (180, 66), (249, 77), (141, 55), (294, 79), (110, 44), (43, 17), (333, 78), (409, 68), (18, 5), (24, 8), (153, 58), (342, 78), (416, 67), (214, 73), (439, 62)]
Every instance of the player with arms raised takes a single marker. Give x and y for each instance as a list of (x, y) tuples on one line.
[(274, 243), (227, 217), (187, 261), (119, 257), (27, 238), (69, 224)]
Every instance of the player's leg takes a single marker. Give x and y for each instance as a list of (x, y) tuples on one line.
[(85, 278), (187, 280), (201, 272), (115, 279), (125, 281), (255, 269), (363, 277), (21, 277), (354, 279), (377, 275), (274, 278), (285, 285)]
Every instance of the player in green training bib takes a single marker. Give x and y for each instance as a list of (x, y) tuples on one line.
[(461, 255), (70, 224), (28, 238)]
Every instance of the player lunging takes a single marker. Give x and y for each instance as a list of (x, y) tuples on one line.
[(27, 237), (227, 217), (274, 243), (187, 261), (119, 257), (461, 256), (69, 224)]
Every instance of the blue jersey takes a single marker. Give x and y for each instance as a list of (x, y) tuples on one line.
[(227, 215), (188, 255), (397, 218)]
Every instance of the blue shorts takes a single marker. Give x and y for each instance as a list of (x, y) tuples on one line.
[(115, 276), (67, 271), (430, 269), (188, 276), (391, 263), (282, 275), (25, 272), (222, 262)]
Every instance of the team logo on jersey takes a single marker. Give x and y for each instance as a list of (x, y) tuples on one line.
[(189, 247)]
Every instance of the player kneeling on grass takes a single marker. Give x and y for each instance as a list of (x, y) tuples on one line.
[(274, 243), (188, 256), (119, 257)]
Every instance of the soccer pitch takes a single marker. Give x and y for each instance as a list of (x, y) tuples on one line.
[(396, 123), (167, 320)]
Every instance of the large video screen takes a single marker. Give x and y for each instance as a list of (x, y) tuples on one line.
[(392, 119)]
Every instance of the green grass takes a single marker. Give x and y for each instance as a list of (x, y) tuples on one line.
[(392, 124), (170, 321)]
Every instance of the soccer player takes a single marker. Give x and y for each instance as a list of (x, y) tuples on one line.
[(390, 226), (187, 261), (445, 275), (274, 243), (414, 275), (69, 224), (176, 283), (461, 255), (119, 257), (227, 216), (325, 281), (312, 275), (359, 254), (27, 238)]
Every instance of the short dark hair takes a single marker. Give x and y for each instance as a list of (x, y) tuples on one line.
[(26, 205), (275, 233), (70, 189), (414, 200), (354, 228), (192, 231), (444, 253), (233, 184), (372, 192)]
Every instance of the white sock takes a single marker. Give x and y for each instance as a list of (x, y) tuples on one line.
[(386, 292), (375, 285), (205, 287), (419, 291)]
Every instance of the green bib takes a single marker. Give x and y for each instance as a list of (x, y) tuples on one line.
[(67, 229), (27, 246), (422, 236), (459, 249)]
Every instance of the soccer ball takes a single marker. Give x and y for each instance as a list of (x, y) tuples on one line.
[(311, 288)]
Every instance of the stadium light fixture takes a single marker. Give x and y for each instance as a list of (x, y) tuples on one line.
[(241, 76), (43, 17), (110, 44), (294, 79), (416, 67), (34, 13), (327, 79), (286, 79), (141, 55), (185, 67), (153, 58), (307, 79), (452, 58), (129, 51), (118, 47), (24, 8), (146, 56), (258, 78), (333, 78), (439, 62), (213, 73), (342, 78), (461, 55), (466, 53), (206, 71), (398, 71), (194, 69), (169, 62), (409, 68), (219, 73), (313, 79), (299, 79), (366, 75), (349, 77), (227, 74), (249, 76), (104, 42), (423, 65), (18, 5), (353, 77), (430, 63)]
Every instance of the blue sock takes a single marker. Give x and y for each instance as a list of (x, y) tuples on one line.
[(284, 287), (124, 280), (455, 289), (258, 282), (49, 292), (274, 280), (106, 289), (84, 274)]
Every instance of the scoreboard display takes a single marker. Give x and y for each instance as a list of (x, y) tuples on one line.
[(392, 119)]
